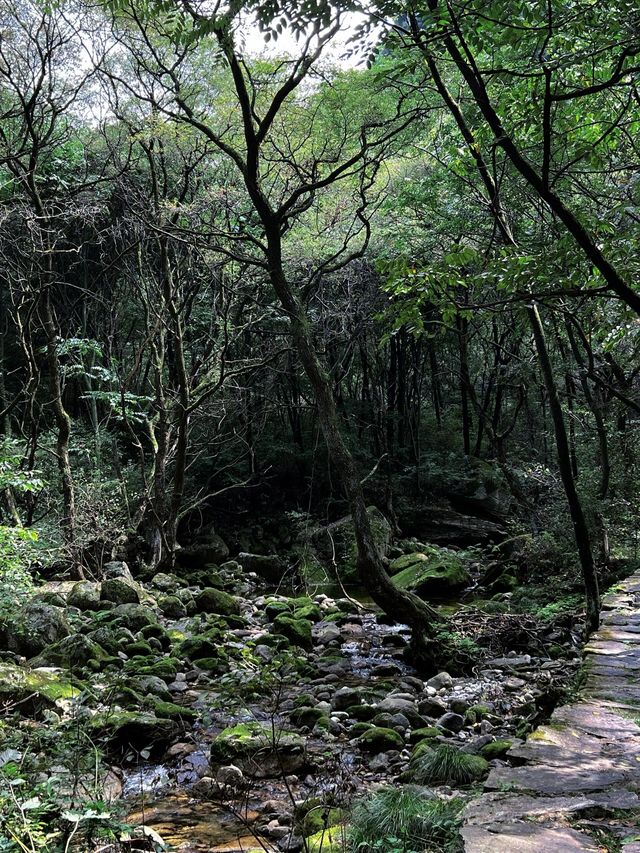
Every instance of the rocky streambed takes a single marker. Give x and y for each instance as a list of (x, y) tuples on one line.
[(232, 719)]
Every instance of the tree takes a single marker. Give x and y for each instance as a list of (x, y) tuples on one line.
[(285, 177)]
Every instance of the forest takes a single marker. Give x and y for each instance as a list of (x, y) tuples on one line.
[(319, 398)]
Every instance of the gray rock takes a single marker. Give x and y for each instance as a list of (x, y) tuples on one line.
[(526, 838), (396, 704), (120, 591), (135, 617), (450, 721), (38, 626), (442, 679), (230, 776), (344, 697), (270, 567), (517, 662), (326, 633), (117, 569), (207, 549), (166, 582), (432, 707), (150, 684)]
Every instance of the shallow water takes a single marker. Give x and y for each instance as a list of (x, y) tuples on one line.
[(193, 827)]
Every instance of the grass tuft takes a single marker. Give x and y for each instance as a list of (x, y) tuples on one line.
[(404, 819), (448, 765)]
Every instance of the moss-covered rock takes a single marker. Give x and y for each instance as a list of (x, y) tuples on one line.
[(297, 631), (172, 607), (120, 591), (214, 665), (253, 747), (133, 730), (358, 729), (276, 608), (33, 688), (274, 641), (200, 646), (306, 716), (308, 611), (434, 573), (425, 733), (496, 749), (72, 652), (330, 840), (475, 713), (139, 648), (424, 747), (171, 711), (112, 638), (166, 668), (380, 739), (318, 818), (135, 617), (85, 595), (212, 600)]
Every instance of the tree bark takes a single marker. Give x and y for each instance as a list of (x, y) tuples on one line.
[(580, 528)]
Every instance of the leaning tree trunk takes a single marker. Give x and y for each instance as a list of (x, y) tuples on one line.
[(400, 605)]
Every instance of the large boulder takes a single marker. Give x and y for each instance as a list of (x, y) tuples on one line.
[(269, 567), (128, 730), (135, 617), (206, 548), (334, 547), (212, 600), (37, 626), (33, 688), (120, 591), (441, 524), (117, 569), (72, 653), (258, 751), (85, 595), (434, 573)]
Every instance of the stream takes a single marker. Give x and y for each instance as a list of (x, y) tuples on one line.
[(180, 801)]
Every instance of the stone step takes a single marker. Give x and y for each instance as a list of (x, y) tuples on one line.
[(583, 762)]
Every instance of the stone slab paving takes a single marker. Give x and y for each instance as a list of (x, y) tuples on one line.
[(581, 770)]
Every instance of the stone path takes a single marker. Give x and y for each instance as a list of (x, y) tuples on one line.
[(575, 786)]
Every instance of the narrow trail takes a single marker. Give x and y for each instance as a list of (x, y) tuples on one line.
[(576, 789)]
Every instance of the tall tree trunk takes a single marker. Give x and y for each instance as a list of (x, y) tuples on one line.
[(580, 528), (465, 381), (63, 424), (562, 445)]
